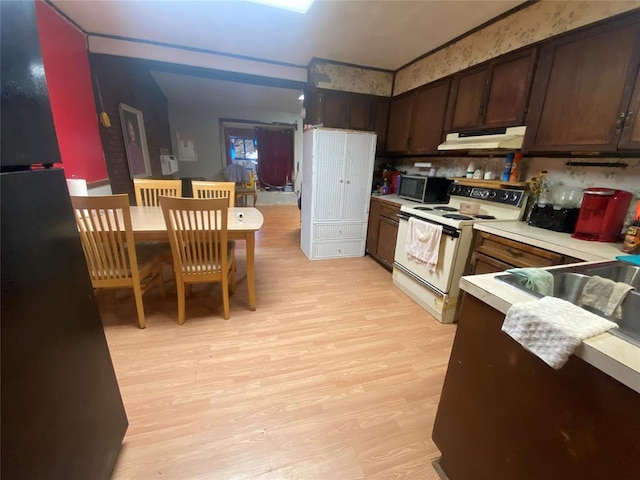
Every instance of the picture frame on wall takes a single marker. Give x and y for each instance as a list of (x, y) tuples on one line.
[(135, 141), (186, 147)]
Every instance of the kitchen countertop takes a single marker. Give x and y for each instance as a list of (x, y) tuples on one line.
[(557, 242), (393, 198), (610, 354)]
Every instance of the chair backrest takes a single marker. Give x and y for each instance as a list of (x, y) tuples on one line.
[(148, 191), (215, 190), (198, 235), (104, 223)]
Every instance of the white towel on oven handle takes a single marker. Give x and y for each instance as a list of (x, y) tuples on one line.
[(423, 242)]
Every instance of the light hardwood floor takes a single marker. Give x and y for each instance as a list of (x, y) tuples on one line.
[(337, 375)]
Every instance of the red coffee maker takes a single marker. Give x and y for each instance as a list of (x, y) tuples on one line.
[(602, 214)]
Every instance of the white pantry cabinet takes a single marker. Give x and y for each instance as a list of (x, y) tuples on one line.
[(336, 186)]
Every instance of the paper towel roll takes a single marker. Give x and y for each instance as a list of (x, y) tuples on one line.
[(77, 187)]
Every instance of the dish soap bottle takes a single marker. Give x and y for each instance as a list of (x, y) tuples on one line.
[(471, 168)]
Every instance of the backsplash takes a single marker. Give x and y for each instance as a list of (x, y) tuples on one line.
[(558, 174), (347, 78), (532, 24)]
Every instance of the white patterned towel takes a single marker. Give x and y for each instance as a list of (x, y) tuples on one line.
[(552, 328), (423, 242)]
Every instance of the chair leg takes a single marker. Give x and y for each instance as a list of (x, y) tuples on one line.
[(232, 281), (163, 292), (181, 300), (112, 292), (187, 289), (225, 296), (137, 293)]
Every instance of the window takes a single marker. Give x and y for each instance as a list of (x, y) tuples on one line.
[(243, 148)]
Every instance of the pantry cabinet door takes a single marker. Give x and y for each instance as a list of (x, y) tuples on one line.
[(358, 171), (328, 174)]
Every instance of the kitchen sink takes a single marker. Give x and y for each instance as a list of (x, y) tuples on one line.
[(569, 281)]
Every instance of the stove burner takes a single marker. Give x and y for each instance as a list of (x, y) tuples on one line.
[(423, 208), (456, 216), (485, 217), (446, 209)]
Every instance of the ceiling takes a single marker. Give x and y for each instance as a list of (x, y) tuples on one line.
[(202, 93), (385, 34)]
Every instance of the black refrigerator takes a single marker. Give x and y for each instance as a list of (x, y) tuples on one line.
[(62, 415)]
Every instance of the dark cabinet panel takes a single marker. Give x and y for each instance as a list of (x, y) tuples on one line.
[(431, 109), (355, 111), (583, 88), (400, 122), (360, 113), (493, 95), (467, 97), (503, 409), (373, 227), (335, 110), (381, 123), (387, 234), (508, 90), (630, 138), (382, 231)]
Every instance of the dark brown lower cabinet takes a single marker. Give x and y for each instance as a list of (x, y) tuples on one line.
[(505, 414), (493, 253), (382, 231)]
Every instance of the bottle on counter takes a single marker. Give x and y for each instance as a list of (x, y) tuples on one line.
[(506, 173), (514, 176), (471, 168)]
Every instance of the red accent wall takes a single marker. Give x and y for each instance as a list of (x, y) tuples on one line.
[(66, 65)]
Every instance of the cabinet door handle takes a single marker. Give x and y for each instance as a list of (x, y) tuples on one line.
[(515, 253), (348, 181), (340, 180), (620, 121), (629, 115)]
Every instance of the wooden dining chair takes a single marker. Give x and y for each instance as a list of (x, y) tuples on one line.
[(197, 231), (148, 191), (104, 223), (215, 190)]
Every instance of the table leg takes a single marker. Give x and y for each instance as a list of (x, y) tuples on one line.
[(251, 247)]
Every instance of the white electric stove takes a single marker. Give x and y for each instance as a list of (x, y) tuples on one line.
[(437, 291)]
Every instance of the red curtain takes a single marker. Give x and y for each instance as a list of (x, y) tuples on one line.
[(275, 156)]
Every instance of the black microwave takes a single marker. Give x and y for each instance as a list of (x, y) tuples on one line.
[(425, 189)]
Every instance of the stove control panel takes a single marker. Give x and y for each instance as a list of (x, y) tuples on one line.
[(497, 195)]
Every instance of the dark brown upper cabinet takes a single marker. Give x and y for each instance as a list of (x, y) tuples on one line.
[(381, 123), (630, 138), (400, 121), (428, 123), (417, 119), (585, 96), (492, 95), (355, 111)]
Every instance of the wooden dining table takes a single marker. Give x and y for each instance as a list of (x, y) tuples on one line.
[(242, 224)]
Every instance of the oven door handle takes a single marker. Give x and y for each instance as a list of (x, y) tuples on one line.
[(446, 229)]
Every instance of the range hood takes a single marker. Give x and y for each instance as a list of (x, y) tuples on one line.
[(496, 138)]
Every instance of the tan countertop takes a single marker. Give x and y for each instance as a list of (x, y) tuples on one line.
[(608, 353), (393, 198), (557, 242)]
